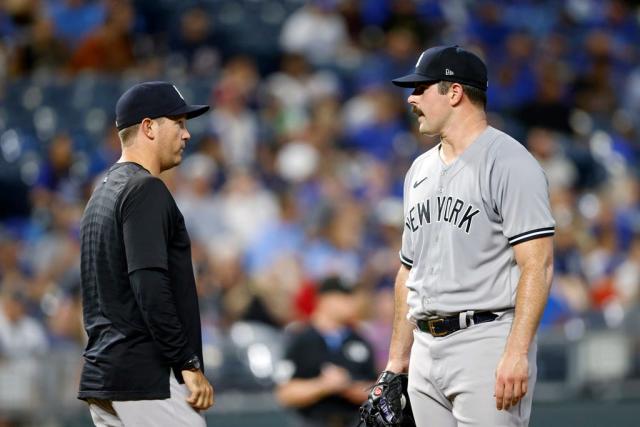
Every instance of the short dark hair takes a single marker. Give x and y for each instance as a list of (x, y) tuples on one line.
[(475, 95), (127, 134)]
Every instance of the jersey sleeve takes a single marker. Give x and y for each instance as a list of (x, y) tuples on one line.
[(152, 291), (147, 212), (406, 250), (521, 196)]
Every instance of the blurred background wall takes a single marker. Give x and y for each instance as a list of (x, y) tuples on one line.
[(296, 175)]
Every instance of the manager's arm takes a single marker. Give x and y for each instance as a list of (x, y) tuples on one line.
[(152, 290), (535, 259)]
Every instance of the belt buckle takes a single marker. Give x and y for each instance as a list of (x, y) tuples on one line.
[(432, 331)]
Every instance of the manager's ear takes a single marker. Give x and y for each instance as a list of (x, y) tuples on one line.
[(455, 94), (148, 128)]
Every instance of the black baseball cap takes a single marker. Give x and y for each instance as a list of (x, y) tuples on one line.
[(334, 284), (153, 100), (449, 63)]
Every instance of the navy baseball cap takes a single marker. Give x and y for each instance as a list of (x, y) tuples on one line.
[(449, 63), (153, 100), (334, 284)]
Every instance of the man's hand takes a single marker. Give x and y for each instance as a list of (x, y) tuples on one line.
[(201, 391), (357, 391), (334, 379), (388, 403), (512, 376)]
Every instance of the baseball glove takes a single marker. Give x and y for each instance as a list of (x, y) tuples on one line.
[(388, 403)]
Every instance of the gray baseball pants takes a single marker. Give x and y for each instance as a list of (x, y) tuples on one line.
[(174, 411), (452, 378)]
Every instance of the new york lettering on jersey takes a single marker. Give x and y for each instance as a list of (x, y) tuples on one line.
[(448, 209), (459, 224)]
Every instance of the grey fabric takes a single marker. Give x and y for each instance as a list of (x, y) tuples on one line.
[(174, 411), (452, 378), (461, 220)]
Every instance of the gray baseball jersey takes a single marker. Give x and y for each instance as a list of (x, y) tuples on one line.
[(461, 221)]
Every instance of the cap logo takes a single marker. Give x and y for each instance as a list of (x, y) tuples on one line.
[(448, 72), (419, 59), (174, 86)]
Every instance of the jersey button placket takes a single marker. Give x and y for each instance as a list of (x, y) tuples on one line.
[(441, 183), (438, 253)]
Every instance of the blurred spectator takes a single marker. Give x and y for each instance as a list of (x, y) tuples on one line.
[(549, 107), (40, 52), (74, 20), (632, 99), (56, 251), (106, 153), (378, 134), (20, 14), (327, 366), (234, 123), (245, 208), (384, 224), (397, 57), (514, 84), (108, 48), (296, 86), (13, 267), (626, 280), (23, 342), (569, 296), (58, 184), (545, 147), (195, 40), (335, 251), (281, 239), (64, 310), (594, 87), (489, 29), (316, 31), (4, 63), (378, 329), (296, 162), (272, 262), (196, 201), (601, 260), (21, 336)]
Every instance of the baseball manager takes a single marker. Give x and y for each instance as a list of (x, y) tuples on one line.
[(143, 359)]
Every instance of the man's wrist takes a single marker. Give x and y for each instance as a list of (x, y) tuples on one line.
[(514, 347), (397, 366), (193, 364)]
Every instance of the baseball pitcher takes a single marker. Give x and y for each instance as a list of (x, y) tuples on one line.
[(476, 257)]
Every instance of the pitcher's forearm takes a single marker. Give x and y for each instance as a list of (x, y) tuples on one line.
[(533, 292), (402, 336)]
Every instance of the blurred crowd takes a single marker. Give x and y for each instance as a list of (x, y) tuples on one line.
[(296, 174)]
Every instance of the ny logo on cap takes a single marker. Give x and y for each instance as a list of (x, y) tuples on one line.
[(419, 59), (448, 72), (174, 86)]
